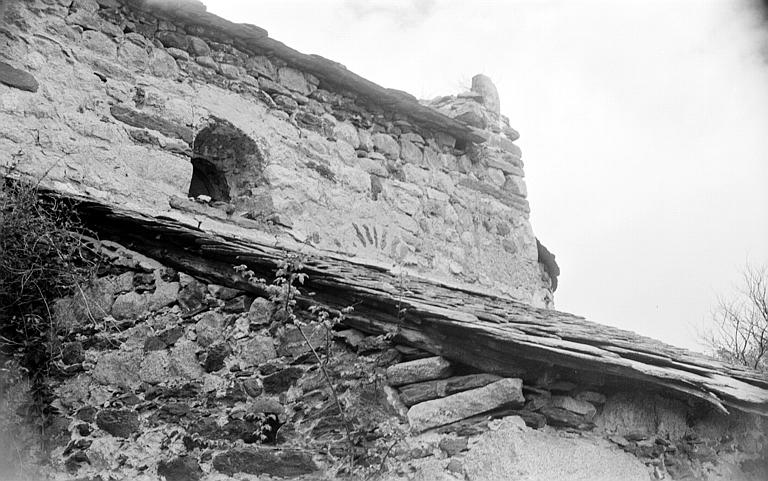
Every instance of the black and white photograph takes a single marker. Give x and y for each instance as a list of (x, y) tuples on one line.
[(383, 240)]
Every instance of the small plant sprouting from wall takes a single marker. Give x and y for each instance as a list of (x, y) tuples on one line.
[(361, 457), (283, 293)]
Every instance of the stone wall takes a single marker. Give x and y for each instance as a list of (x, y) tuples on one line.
[(144, 106), (159, 375)]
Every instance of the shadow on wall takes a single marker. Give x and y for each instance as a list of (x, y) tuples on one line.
[(547, 260), (208, 180)]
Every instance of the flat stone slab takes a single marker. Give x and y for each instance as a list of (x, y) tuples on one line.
[(20, 79), (418, 370), (506, 392), (425, 391)]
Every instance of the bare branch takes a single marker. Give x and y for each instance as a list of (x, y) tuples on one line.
[(740, 325)]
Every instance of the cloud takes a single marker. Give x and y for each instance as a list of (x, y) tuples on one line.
[(406, 13)]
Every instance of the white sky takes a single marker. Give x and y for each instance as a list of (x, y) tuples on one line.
[(644, 129)]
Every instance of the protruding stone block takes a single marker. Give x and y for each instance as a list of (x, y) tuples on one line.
[(490, 96), (419, 370), (439, 412)]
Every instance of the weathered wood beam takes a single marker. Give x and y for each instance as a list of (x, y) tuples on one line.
[(491, 333)]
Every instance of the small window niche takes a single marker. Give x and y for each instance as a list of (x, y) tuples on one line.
[(208, 180), (225, 160)]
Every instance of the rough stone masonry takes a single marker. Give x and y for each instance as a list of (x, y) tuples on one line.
[(149, 107), (181, 116)]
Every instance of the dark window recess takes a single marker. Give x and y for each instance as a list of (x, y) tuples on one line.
[(547, 259), (208, 180)]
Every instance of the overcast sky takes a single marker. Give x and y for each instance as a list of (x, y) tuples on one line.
[(644, 129)]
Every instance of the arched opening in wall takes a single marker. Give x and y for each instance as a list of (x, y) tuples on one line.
[(226, 162), (208, 180)]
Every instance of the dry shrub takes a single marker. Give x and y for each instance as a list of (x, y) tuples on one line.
[(43, 256)]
